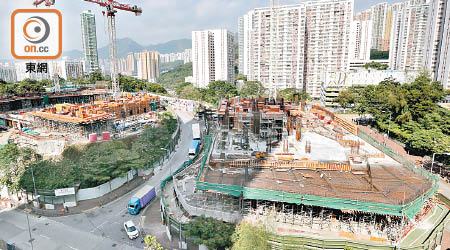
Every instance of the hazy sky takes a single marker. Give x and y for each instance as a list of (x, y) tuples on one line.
[(161, 20)]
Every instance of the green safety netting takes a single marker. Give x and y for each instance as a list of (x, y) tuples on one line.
[(410, 209)]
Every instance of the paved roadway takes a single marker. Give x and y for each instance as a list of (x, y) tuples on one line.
[(100, 228)]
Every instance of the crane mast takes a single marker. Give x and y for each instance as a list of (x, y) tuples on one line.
[(115, 88), (111, 10), (48, 3)]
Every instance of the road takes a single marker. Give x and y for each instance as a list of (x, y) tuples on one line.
[(101, 228)]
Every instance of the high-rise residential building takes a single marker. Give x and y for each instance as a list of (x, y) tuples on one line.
[(245, 52), (212, 56), (361, 34), (68, 69), (89, 37), (437, 43), (131, 64), (241, 44), (148, 65), (408, 36), (7, 72), (185, 56), (381, 17), (290, 46)]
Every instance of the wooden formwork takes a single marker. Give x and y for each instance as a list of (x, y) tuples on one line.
[(292, 164)]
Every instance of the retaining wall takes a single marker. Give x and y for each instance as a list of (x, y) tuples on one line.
[(98, 191)]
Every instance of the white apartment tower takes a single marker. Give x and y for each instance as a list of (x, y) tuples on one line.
[(89, 37), (408, 36), (381, 21), (291, 46), (437, 43), (212, 56), (241, 44), (7, 72), (361, 34), (148, 65)]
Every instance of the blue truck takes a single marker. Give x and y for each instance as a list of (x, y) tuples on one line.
[(194, 148), (141, 199)]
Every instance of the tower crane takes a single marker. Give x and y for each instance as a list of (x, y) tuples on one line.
[(111, 9), (48, 3)]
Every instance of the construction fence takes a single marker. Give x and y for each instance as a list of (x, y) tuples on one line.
[(169, 220), (95, 192)]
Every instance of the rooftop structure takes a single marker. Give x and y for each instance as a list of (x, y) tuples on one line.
[(26, 101), (96, 117), (334, 82)]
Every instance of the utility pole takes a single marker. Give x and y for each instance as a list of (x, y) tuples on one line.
[(29, 231), (34, 182)]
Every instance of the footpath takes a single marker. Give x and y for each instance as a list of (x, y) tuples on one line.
[(87, 205), (152, 223)]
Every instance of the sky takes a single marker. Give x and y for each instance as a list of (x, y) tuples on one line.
[(161, 20)]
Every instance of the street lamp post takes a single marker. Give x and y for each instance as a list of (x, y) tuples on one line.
[(390, 117), (432, 161), (389, 127), (34, 182), (141, 231)]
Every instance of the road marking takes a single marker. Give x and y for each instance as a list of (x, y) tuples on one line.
[(73, 247), (43, 236), (121, 211), (99, 226)]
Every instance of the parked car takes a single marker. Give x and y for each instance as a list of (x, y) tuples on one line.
[(131, 230)]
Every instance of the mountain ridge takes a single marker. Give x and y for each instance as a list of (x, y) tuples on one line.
[(127, 45)]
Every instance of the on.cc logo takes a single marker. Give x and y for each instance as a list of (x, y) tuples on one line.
[(36, 29), (36, 34)]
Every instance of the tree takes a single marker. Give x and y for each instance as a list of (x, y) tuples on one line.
[(218, 90), (253, 89), (7, 88), (151, 243), (241, 77), (412, 111), (103, 162), (30, 85), (429, 141), (376, 65), (422, 95), (96, 76), (290, 94), (248, 237), (189, 92), (13, 163), (175, 76), (130, 84), (180, 86), (213, 233), (346, 98)]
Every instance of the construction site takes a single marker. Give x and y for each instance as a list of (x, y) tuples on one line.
[(49, 130), (307, 171)]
